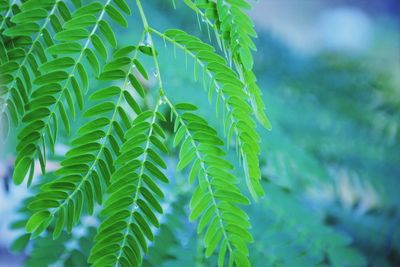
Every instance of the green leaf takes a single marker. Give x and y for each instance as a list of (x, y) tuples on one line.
[(148, 212), (147, 50), (186, 159), (93, 125), (36, 114), (136, 84), (99, 109), (123, 6), (151, 199), (112, 75), (118, 63), (36, 220), (123, 51), (185, 106), (90, 9), (71, 35), (60, 223), (51, 77), (201, 206), (141, 69), (26, 29), (132, 103), (116, 16), (60, 63), (64, 11), (93, 61), (99, 46), (143, 226), (48, 89), (206, 218), (78, 92), (65, 48), (21, 169), (20, 243), (211, 246), (156, 158), (222, 253), (84, 77), (108, 33), (64, 117), (246, 57), (9, 67), (106, 93), (241, 259), (156, 172), (79, 22)]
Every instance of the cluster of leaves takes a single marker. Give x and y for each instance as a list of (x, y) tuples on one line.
[(118, 164), (234, 31), (333, 147), (116, 160)]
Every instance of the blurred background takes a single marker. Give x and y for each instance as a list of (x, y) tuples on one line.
[(330, 76)]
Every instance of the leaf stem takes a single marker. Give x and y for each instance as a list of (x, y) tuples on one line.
[(150, 39)]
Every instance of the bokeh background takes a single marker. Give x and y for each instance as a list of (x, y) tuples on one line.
[(330, 76)]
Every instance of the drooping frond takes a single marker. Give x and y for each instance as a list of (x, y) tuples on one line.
[(130, 209), (234, 31), (89, 164), (238, 114), (216, 197), (62, 76)]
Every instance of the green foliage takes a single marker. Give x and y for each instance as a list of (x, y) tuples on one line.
[(150, 177), (238, 114), (303, 239), (116, 162), (216, 197)]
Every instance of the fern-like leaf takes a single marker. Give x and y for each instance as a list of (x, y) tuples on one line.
[(216, 197), (130, 208), (61, 78), (228, 87), (235, 30), (89, 164)]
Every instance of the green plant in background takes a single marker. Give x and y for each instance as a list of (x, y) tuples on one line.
[(49, 51)]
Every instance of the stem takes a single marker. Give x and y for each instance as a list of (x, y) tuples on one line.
[(142, 15), (150, 38)]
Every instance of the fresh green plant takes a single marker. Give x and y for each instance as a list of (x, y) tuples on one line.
[(50, 49)]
